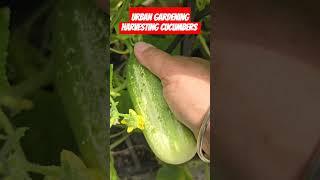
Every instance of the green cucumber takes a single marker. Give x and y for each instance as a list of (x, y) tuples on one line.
[(81, 62), (171, 141)]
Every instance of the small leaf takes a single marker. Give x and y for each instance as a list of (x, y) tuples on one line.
[(75, 169), (68, 157)]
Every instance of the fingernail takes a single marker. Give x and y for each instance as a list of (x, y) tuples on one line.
[(140, 47)]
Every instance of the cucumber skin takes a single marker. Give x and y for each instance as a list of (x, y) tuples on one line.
[(81, 64), (171, 141)]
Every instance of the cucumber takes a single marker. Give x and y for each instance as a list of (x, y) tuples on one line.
[(171, 141), (81, 65)]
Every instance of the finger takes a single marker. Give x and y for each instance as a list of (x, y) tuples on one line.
[(156, 60)]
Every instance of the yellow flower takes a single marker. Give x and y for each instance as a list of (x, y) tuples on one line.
[(130, 129), (133, 121), (140, 122), (124, 122)]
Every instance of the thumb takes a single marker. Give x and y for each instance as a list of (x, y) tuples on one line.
[(154, 59)]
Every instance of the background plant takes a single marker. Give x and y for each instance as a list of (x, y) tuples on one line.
[(41, 133)]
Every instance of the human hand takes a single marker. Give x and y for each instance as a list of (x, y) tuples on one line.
[(186, 84)]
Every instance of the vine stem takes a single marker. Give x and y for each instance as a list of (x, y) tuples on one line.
[(120, 51), (204, 44), (121, 87), (15, 103), (45, 170), (201, 14), (133, 154), (117, 134), (175, 43), (119, 141)]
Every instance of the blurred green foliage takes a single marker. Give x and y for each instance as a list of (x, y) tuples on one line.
[(53, 84)]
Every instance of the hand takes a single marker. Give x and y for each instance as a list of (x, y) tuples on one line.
[(186, 84)]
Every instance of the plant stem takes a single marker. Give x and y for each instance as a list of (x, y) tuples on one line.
[(45, 170), (175, 43), (121, 87), (119, 141), (133, 154), (117, 134), (201, 14), (120, 51), (15, 103), (111, 77), (204, 44)]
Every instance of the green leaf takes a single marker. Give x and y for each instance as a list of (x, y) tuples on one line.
[(162, 42), (113, 172), (124, 102), (171, 172), (201, 4), (69, 158), (75, 169), (121, 14), (12, 159), (114, 113), (4, 38)]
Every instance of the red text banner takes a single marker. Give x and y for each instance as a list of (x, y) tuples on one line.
[(160, 20)]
